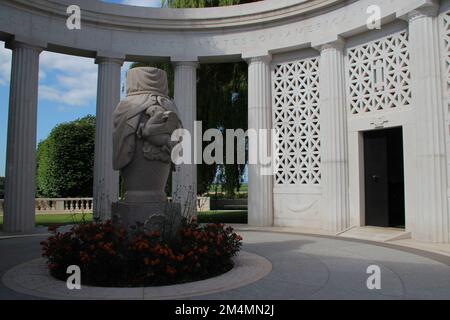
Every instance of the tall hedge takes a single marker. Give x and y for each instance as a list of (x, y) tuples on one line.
[(65, 160)]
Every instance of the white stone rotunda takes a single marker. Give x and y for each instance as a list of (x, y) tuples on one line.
[(361, 113)]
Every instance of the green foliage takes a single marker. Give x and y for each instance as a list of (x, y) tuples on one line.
[(229, 216), (65, 160), (221, 104)]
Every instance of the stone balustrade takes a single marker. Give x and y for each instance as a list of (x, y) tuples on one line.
[(83, 205), (63, 205)]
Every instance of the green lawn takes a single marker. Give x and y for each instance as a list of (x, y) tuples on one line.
[(229, 216), (243, 189), (61, 219)]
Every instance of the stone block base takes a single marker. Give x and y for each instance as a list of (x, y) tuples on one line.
[(153, 216)]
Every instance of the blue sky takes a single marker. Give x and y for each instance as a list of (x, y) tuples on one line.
[(67, 88)]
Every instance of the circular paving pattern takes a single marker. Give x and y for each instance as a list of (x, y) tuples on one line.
[(32, 278), (301, 267)]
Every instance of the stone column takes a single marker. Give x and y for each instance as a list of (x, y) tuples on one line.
[(260, 178), (184, 182), (106, 180), (20, 182), (431, 218), (333, 126)]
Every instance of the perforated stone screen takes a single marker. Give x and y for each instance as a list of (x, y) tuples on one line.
[(296, 120), (379, 75)]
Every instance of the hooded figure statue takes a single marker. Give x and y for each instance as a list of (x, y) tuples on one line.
[(146, 113), (143, 124)]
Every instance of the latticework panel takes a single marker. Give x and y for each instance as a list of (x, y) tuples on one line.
[(379, 75), (296, 120)]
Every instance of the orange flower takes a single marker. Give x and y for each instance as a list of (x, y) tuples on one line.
[(53, 228), (84, 257), (155, 262), (171, 270), (98, 236)]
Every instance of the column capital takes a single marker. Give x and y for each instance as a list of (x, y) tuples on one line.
[(430, 8), (337, 44), (102, 60), (254, 58), (26, 43), (109, 57), (193, 64)]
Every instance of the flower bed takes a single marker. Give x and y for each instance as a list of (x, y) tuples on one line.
[(112, 256)]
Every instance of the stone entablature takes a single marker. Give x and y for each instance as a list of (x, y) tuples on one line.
[(220, 34)]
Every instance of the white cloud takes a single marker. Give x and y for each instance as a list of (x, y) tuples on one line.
[(73, 80), (143, 3), (68, 81), (5, 66), (73, 90)]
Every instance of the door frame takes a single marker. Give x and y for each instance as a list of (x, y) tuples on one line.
[(383, 120)]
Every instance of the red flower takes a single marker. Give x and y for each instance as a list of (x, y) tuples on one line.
[(52, 266), (171, 270), (53, 228)]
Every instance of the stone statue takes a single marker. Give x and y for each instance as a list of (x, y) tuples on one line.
[(143, 124)]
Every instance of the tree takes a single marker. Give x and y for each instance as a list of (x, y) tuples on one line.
[(65, 160)]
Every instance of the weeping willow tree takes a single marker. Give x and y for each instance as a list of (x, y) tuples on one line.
[(221, 102)]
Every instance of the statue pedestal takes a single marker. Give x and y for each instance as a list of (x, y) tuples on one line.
[(154, 216)]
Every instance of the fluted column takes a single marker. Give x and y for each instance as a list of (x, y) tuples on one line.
[(431, 220), (333, 127), (184, 186), (106, 179), (260, 179), (20, 183)]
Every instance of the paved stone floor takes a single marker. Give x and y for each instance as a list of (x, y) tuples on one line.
[(305, 267)]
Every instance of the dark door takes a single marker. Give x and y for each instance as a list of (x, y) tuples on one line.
[(384, 178)]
